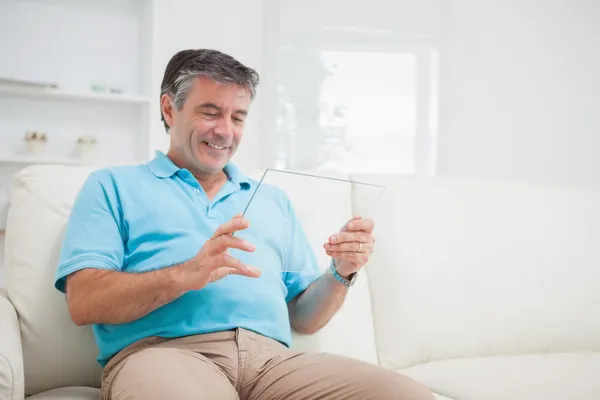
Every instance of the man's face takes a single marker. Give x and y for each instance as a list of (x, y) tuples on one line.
[(206, 132)]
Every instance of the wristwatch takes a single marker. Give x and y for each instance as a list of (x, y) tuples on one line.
[(346, 282)]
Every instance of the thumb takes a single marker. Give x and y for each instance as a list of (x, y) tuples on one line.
[(222, 272), (345, 227)]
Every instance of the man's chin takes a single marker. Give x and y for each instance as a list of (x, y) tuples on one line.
[(211, 166)]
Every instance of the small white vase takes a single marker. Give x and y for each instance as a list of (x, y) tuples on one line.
[(35, 147), (86, 151)]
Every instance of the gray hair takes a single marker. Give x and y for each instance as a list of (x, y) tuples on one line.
[(187, 65)]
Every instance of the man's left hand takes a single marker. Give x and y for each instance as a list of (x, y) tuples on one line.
[(352, 246)]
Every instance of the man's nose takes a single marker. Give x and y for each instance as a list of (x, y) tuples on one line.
[(224, 126)]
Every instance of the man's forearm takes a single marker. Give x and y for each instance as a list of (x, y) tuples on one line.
[(313, 309), (109, 297)]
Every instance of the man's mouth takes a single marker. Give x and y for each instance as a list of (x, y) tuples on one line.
[(214, 146)]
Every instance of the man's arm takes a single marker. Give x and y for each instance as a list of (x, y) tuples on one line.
[(350, 250), (313, 308), (100, 296)]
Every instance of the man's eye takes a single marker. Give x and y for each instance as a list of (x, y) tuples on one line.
[(238, 119), (210, 115)]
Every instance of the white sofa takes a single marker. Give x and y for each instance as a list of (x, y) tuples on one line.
[(479, 290)]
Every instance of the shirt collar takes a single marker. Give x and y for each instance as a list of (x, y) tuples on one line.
[(163, 167), (236, 175)]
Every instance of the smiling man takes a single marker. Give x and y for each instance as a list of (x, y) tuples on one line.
[(183, 309)]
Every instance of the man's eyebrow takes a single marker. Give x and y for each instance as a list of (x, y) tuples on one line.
[(217, 108), (208, 105)]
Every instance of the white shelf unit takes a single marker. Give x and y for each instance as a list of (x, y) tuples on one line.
[(30, 160), (98, 57), (58, 94)]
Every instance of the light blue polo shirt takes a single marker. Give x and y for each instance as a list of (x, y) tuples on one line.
[(155, 215)]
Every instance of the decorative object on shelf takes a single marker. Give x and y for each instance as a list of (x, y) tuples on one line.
[(99, 87), (36, 142), (86, 147)]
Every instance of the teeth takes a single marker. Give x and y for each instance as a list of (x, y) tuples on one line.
[(214, 146)]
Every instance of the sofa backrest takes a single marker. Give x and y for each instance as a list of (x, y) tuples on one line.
[(467, 268), (57, 353)]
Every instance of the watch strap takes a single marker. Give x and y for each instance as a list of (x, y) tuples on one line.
[(346, 282)]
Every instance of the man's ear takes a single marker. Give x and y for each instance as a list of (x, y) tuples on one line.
[(166, 107)]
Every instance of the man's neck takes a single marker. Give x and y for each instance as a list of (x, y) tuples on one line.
[(210, 182)]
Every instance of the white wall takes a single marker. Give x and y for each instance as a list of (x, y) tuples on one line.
[(502, 90), (520, 90)]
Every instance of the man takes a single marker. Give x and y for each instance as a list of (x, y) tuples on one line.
[(187, 299)]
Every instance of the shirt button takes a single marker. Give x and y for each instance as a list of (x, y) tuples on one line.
[(196, 191)]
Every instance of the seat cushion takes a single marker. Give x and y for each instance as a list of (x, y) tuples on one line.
[(68, 393), (557, 376), (86, 393)]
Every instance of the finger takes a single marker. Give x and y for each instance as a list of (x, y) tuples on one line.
[(350, 237), (364, 224), (347, 246), (225, 242), (225, 260), (231, 226), (348, 256)]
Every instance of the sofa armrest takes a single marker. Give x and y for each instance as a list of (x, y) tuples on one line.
[(12, 385)]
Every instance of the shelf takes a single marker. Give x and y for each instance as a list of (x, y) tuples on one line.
[(51, 93), (41, 160)]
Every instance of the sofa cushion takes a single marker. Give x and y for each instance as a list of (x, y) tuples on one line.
[(466, 268), (528, 377), (68, 393)]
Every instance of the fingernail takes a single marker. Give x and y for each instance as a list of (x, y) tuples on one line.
[(254, 269), (251, 246), (351, 225), (332, 238)]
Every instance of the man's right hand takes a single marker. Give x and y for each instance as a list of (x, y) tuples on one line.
[(212, 261)]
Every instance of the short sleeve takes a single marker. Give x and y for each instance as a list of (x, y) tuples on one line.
[(94, 234), (300, 267)]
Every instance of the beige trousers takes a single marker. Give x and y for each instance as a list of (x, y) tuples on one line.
[(241, 364)]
